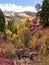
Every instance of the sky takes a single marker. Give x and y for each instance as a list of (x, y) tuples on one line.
[(19, 5)]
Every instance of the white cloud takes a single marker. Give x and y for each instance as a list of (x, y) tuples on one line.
[(16, 8)]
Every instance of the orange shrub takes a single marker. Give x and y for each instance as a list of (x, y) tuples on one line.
[(19, 32)]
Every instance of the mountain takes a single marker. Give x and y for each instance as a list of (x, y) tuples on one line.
[(30, 13), (19, 15), (25, 14)]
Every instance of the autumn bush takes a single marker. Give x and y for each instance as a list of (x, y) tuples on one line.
[(26, 22), (15, 37), (25, 36), (8, 32), (45, 51), (39, 34), (33, 43), (45, 60), (19, 44), (19, 32), (9, 49), (21, 25), (47, 41)]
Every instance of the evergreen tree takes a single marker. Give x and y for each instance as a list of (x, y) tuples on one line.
[(12, 27), (38, 7), (45, 13), (2, 21)]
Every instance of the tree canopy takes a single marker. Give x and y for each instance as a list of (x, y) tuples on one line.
[(45, 13), (2, 21)]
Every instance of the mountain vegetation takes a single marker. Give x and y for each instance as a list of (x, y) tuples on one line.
[(45, 13), (2, 21), (25, 41)]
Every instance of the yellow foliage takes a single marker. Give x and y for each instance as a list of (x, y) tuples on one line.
[(19, 44), (33, 43), (26, 20), (45, 60), (26, 28), (8, 47), (45, 38), (15, 37), (45, 52), (19, 32), (8, 32)]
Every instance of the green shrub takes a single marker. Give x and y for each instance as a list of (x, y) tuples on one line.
[(12, 27), (39, 34), (11, 53), (45, 51)]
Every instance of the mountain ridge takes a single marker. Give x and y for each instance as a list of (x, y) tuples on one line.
[(19, 15)]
